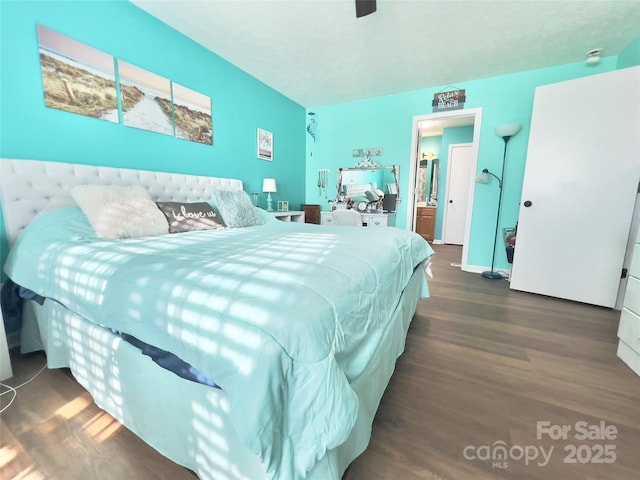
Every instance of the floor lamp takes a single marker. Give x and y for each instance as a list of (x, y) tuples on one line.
[(506, 131)]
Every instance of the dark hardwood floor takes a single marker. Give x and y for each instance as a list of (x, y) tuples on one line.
[(484, 367)]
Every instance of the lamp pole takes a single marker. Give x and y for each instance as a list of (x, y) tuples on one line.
[(492, 274)]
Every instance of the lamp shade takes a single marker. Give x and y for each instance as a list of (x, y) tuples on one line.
[(508, 129), (269, 185), (482, 177)]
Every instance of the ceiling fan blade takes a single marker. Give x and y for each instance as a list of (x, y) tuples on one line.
[(365, 7)]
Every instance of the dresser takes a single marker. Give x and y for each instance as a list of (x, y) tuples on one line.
[(629, 328), (426, 222), (368, 219)]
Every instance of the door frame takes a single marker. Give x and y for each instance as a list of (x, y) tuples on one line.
[(476, 113), (471, 189)]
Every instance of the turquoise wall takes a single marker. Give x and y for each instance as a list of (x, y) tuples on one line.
[(630, 56), (431, 144), (387, 122), (240, 102)]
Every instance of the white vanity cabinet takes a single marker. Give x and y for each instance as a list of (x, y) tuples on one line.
[(368, 219), (374, 219)]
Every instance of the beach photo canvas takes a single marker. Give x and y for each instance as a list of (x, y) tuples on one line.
[(265, 144), (192, 113), (146, 99), (77, 78)]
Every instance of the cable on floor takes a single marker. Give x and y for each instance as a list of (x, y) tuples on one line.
[(14, 390)]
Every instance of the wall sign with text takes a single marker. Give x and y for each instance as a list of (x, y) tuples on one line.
[(449, 100)]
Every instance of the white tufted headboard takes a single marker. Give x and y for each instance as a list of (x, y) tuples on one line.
[(30, 187)]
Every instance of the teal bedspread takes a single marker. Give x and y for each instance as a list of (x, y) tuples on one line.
[(282, 316)]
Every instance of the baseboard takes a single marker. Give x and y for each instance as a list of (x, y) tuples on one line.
[(629, 356), (479, 269), (476, 268)]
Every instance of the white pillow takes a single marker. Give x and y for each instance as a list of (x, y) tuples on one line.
[(120, 211)]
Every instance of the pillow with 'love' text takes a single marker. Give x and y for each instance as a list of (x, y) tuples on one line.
[(187, 217)]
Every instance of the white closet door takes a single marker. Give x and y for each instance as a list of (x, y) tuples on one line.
[(580, 182), (457, 197)]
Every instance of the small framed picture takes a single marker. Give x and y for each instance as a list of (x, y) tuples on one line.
[(283, 206), (265, 145)]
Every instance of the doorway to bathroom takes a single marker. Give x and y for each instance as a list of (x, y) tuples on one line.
[(430, 190)]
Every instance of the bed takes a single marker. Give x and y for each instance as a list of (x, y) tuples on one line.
[(294, 328)]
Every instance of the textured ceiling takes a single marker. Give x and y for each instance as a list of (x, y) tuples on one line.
[(317, 53)]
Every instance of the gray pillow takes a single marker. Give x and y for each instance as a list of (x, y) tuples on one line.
[(187, 217), (236, 208)]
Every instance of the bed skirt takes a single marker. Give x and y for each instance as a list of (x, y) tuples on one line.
[(185, 421)]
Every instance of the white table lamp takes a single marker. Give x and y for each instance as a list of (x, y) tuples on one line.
[(269, 186)]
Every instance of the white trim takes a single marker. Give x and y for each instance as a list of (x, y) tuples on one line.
[(474, 268), (629, 356), (480, 269), (413, 165), (413, 162)]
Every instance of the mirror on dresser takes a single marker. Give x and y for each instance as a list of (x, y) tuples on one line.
[(359, 182), (370, 189)]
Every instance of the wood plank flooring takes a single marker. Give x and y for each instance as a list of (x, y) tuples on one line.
[(483, 364)]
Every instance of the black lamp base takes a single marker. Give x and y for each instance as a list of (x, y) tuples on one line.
[(492, 275)]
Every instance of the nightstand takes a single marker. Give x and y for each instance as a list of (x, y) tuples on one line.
[(311, 214), (292, 216), (5, 361)]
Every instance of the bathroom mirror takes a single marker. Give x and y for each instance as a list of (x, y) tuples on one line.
[(432, 186), (427, 183)]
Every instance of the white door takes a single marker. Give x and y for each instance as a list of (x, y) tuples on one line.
[(580, 182), (459, 170)]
